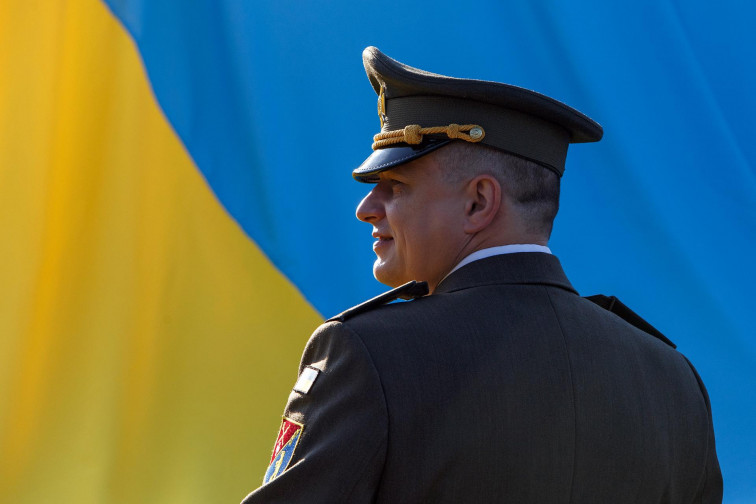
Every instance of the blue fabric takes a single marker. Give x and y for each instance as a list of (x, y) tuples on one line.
[(272, 103)]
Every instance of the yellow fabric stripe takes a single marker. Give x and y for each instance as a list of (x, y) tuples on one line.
[(146, 345)]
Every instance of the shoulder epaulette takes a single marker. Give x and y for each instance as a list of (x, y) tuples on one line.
[(614, 305), (410, 290)]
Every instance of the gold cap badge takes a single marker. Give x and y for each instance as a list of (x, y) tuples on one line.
[(382, 104)]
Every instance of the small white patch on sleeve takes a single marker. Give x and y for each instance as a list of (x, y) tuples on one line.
[(306, 380)]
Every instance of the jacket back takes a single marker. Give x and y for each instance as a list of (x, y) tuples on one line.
[(503, 386)]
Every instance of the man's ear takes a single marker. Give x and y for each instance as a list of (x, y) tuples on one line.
[(483, 200)]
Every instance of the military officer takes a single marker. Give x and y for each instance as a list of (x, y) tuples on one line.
[(497, 382)]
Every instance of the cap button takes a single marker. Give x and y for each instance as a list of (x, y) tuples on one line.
[(476, 133)]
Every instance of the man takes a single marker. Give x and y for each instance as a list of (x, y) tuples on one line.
[(501, 384)]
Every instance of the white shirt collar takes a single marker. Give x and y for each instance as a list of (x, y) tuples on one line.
[(503, 249)]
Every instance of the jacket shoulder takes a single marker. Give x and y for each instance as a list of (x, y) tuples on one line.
[(614, 305), (410, 290)]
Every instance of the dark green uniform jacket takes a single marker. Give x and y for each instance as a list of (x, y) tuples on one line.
[(503, 386)]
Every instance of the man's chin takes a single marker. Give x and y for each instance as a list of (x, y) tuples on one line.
[(384, 274)]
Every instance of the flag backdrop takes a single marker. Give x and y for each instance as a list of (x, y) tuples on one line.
[(177, 211)]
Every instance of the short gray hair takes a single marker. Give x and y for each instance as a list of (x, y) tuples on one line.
[(533, 188)]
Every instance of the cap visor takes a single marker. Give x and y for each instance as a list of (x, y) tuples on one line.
[(391, 157)]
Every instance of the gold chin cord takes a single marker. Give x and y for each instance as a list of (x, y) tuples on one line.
[(413, 134)]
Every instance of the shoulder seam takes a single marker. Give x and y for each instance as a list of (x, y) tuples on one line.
[(572, 386), (357, 336)]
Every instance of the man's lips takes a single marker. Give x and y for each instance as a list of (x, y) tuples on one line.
[(381, 241)]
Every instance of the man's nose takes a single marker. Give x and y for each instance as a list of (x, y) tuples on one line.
[(371, 208)]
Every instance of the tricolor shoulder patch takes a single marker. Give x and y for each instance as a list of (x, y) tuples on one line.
[(283, 450)]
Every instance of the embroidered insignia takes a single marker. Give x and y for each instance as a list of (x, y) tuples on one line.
[(283, 450), (306, 379)]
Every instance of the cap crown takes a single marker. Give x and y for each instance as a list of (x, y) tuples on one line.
[(513, 119)]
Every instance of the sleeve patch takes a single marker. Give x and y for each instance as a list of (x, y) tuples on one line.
[(306, 380), (283, 450)]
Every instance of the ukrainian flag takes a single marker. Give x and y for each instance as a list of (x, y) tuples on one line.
[(147, 346)]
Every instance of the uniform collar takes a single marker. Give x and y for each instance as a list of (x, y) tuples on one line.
[(501, 249), (514, 268)]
